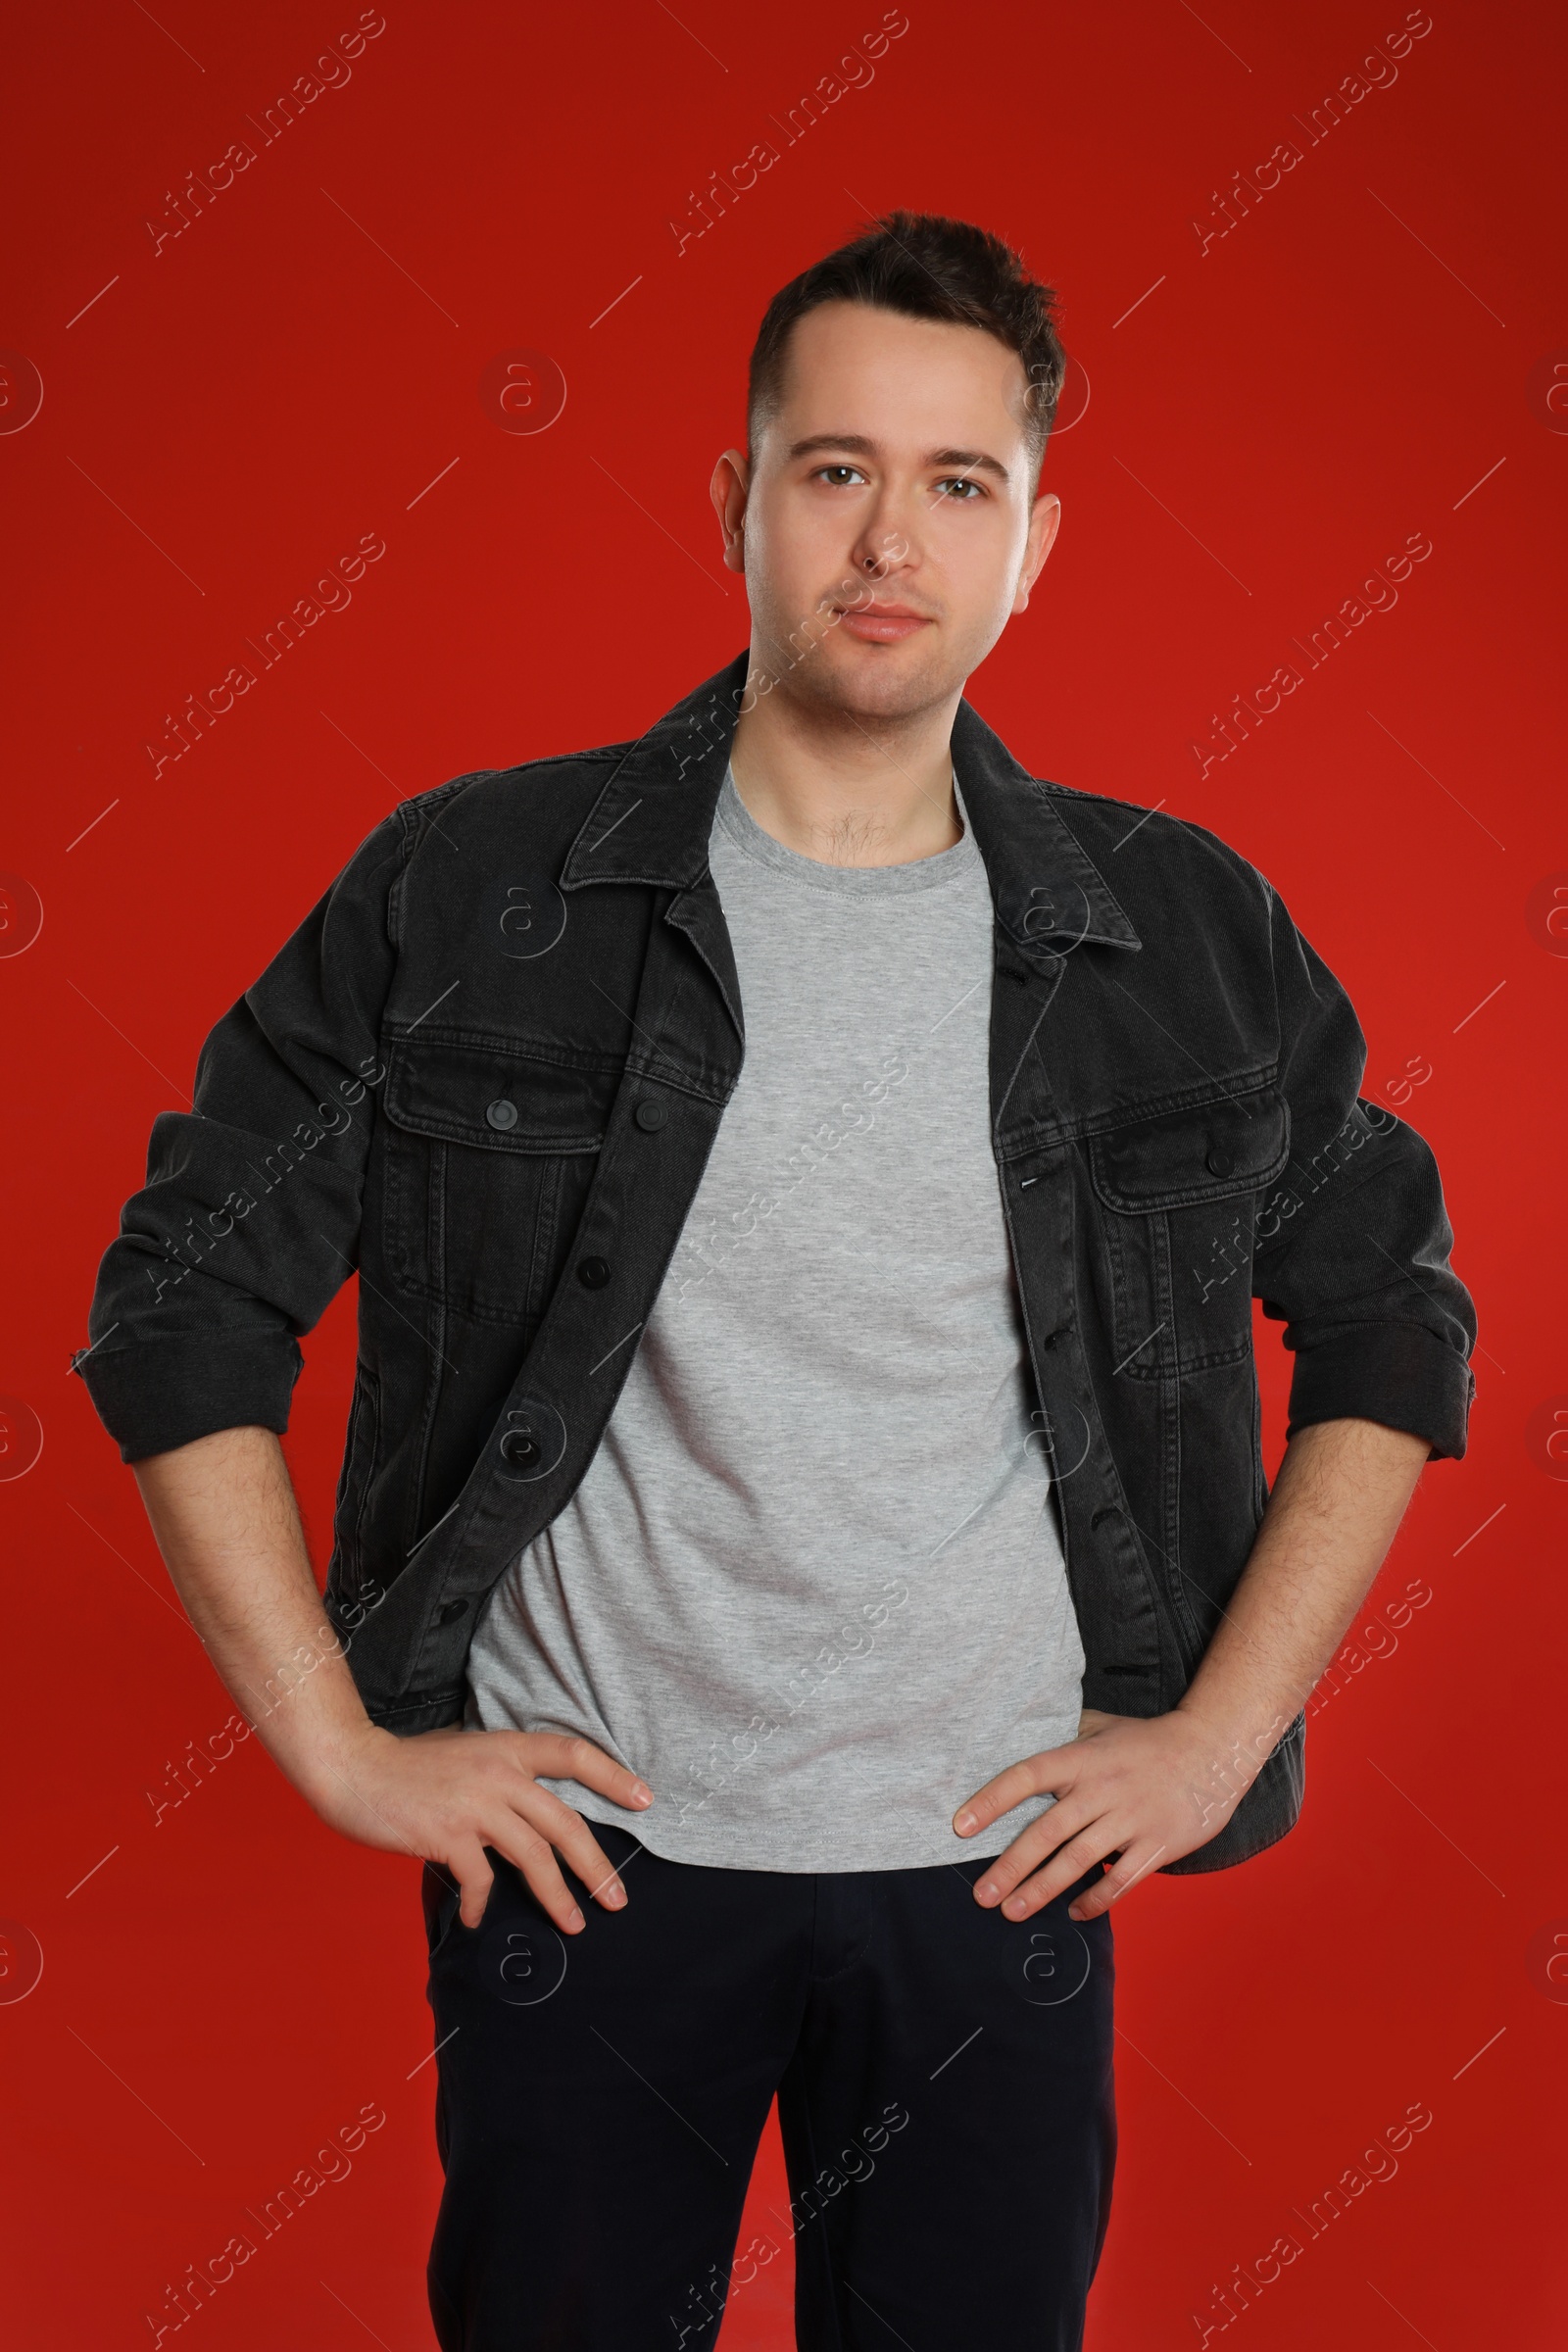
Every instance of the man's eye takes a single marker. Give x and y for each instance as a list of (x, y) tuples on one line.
[(837, 474), (958, 485)]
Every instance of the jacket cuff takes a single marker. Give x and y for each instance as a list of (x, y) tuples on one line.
[(165, 1393), (1398, 1373)]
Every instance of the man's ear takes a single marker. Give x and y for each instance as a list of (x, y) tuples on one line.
[(728, 491), (1044, 523)]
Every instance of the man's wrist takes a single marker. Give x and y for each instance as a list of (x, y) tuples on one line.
[(1235, 1735), (326, 1760)]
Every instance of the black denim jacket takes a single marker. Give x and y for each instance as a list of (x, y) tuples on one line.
[(487, 1071)]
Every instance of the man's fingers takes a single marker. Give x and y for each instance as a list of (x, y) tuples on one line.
[(577, 1841), (1079, 1854), (595, 1868), (1035, 1776), (566, 1828), (1054, 1829), (534, 1822), (1101, 1895), (563, 1758), (474, 1877), (1127, 1866), (534, 1858), (530, 1844)]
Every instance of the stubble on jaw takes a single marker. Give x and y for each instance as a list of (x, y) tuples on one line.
[(827, 702), (827, 709)]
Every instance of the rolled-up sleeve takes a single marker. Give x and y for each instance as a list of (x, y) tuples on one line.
[(249, 1221), (1351, 1249)]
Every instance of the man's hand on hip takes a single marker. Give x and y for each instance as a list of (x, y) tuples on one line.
[(223, 1511), (1147, 1789), (448, 1793)]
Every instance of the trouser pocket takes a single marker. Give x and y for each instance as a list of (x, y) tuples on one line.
[(441, 1901)]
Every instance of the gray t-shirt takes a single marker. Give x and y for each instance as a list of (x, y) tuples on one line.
[(811, 1585)]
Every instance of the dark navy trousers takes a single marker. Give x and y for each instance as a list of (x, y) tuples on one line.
[(946, 2096)]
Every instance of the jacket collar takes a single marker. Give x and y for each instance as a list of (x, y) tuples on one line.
[(653, 822)]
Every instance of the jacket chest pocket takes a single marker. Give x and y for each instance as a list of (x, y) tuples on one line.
[(489, 1159), (1177, 1198)]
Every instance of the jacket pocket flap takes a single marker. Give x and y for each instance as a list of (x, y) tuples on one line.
[(505, 1102), (1207, 1152)]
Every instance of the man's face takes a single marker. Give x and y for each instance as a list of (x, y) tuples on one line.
[(888, 522)]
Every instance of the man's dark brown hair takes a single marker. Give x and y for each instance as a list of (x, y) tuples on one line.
[(925, 267)]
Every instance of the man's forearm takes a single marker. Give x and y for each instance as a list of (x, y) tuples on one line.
[(223, 1512), (1341, 1491)]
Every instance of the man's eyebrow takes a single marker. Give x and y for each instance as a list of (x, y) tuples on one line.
[(969, 461), (861, 445)]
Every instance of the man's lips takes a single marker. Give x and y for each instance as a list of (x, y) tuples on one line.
[(883, 625)]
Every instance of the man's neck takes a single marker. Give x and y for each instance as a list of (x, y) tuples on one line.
[(846, 790)]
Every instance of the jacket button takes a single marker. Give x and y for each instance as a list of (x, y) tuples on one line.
[(593, 1273), (650, 1115), (1053, 1338), (451, 1612), (517, 1448), (1220, 1162), (503, 1113)]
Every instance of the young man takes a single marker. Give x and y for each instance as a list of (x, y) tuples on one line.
[(809, 1181)]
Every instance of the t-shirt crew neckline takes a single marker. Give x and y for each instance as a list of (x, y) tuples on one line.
[(845, 881)]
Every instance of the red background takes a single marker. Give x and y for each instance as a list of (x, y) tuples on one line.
[(225, 416)]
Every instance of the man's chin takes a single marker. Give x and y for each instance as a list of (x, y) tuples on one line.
[(883, 682)]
